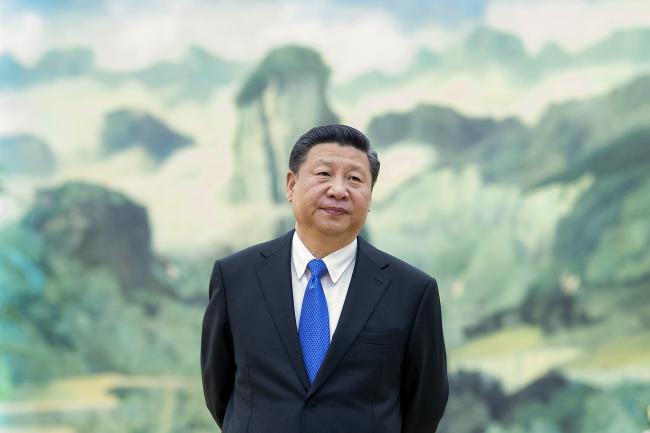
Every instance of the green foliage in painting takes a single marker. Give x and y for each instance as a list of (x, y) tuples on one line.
[(280, 66)]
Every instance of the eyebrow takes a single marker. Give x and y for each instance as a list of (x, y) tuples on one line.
[(329, 163)]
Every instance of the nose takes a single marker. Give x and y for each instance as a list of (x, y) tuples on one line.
[(337, 189)]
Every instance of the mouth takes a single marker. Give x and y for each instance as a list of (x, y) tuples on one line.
[(333, 210)]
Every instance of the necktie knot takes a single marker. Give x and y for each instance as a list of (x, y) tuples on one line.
[(317, 268)]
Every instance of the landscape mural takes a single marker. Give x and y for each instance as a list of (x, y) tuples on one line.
[(140, 141)]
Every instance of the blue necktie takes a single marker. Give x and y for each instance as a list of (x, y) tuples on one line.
[(314, 327)]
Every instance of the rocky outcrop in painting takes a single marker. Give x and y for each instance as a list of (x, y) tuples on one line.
[(26, 154), (96, 226), (126, 128), (282, 98)]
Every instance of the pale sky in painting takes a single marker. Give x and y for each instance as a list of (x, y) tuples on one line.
[(356, 37)]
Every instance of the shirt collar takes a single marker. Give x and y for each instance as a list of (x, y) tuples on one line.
[(336, 262)]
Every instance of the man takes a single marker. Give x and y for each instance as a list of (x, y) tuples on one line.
[(318, 331)]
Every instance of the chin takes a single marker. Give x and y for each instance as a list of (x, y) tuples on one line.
[(333, 229)]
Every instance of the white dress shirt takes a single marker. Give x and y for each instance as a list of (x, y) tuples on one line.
[(340, 265)]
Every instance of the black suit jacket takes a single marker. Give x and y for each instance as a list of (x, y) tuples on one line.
[(385, 370)]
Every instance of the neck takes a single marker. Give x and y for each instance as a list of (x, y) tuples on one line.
[(321, 245)]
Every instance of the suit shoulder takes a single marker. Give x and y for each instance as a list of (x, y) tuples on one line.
[(254, 252)]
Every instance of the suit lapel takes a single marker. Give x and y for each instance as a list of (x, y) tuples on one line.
[(274, 276), (367, 286)]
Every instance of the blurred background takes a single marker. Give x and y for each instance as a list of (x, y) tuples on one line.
[(140, 141)]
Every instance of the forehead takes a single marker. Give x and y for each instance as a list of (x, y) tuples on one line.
[(336, 154)]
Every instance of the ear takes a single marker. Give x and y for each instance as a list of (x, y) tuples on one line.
[(291, 183)]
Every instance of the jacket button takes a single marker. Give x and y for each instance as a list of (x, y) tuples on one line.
[(312, 402)]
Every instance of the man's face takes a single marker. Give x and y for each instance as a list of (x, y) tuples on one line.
[(331, 192)]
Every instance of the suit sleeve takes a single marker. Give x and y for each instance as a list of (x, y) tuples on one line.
[(425, 387), (217, 353)]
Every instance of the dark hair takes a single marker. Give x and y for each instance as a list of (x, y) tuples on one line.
[(341, 134)]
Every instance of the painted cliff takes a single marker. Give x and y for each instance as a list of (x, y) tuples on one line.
[(282, 98)]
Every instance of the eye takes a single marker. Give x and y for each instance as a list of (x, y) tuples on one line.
[(355, 178), (322, 173)]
